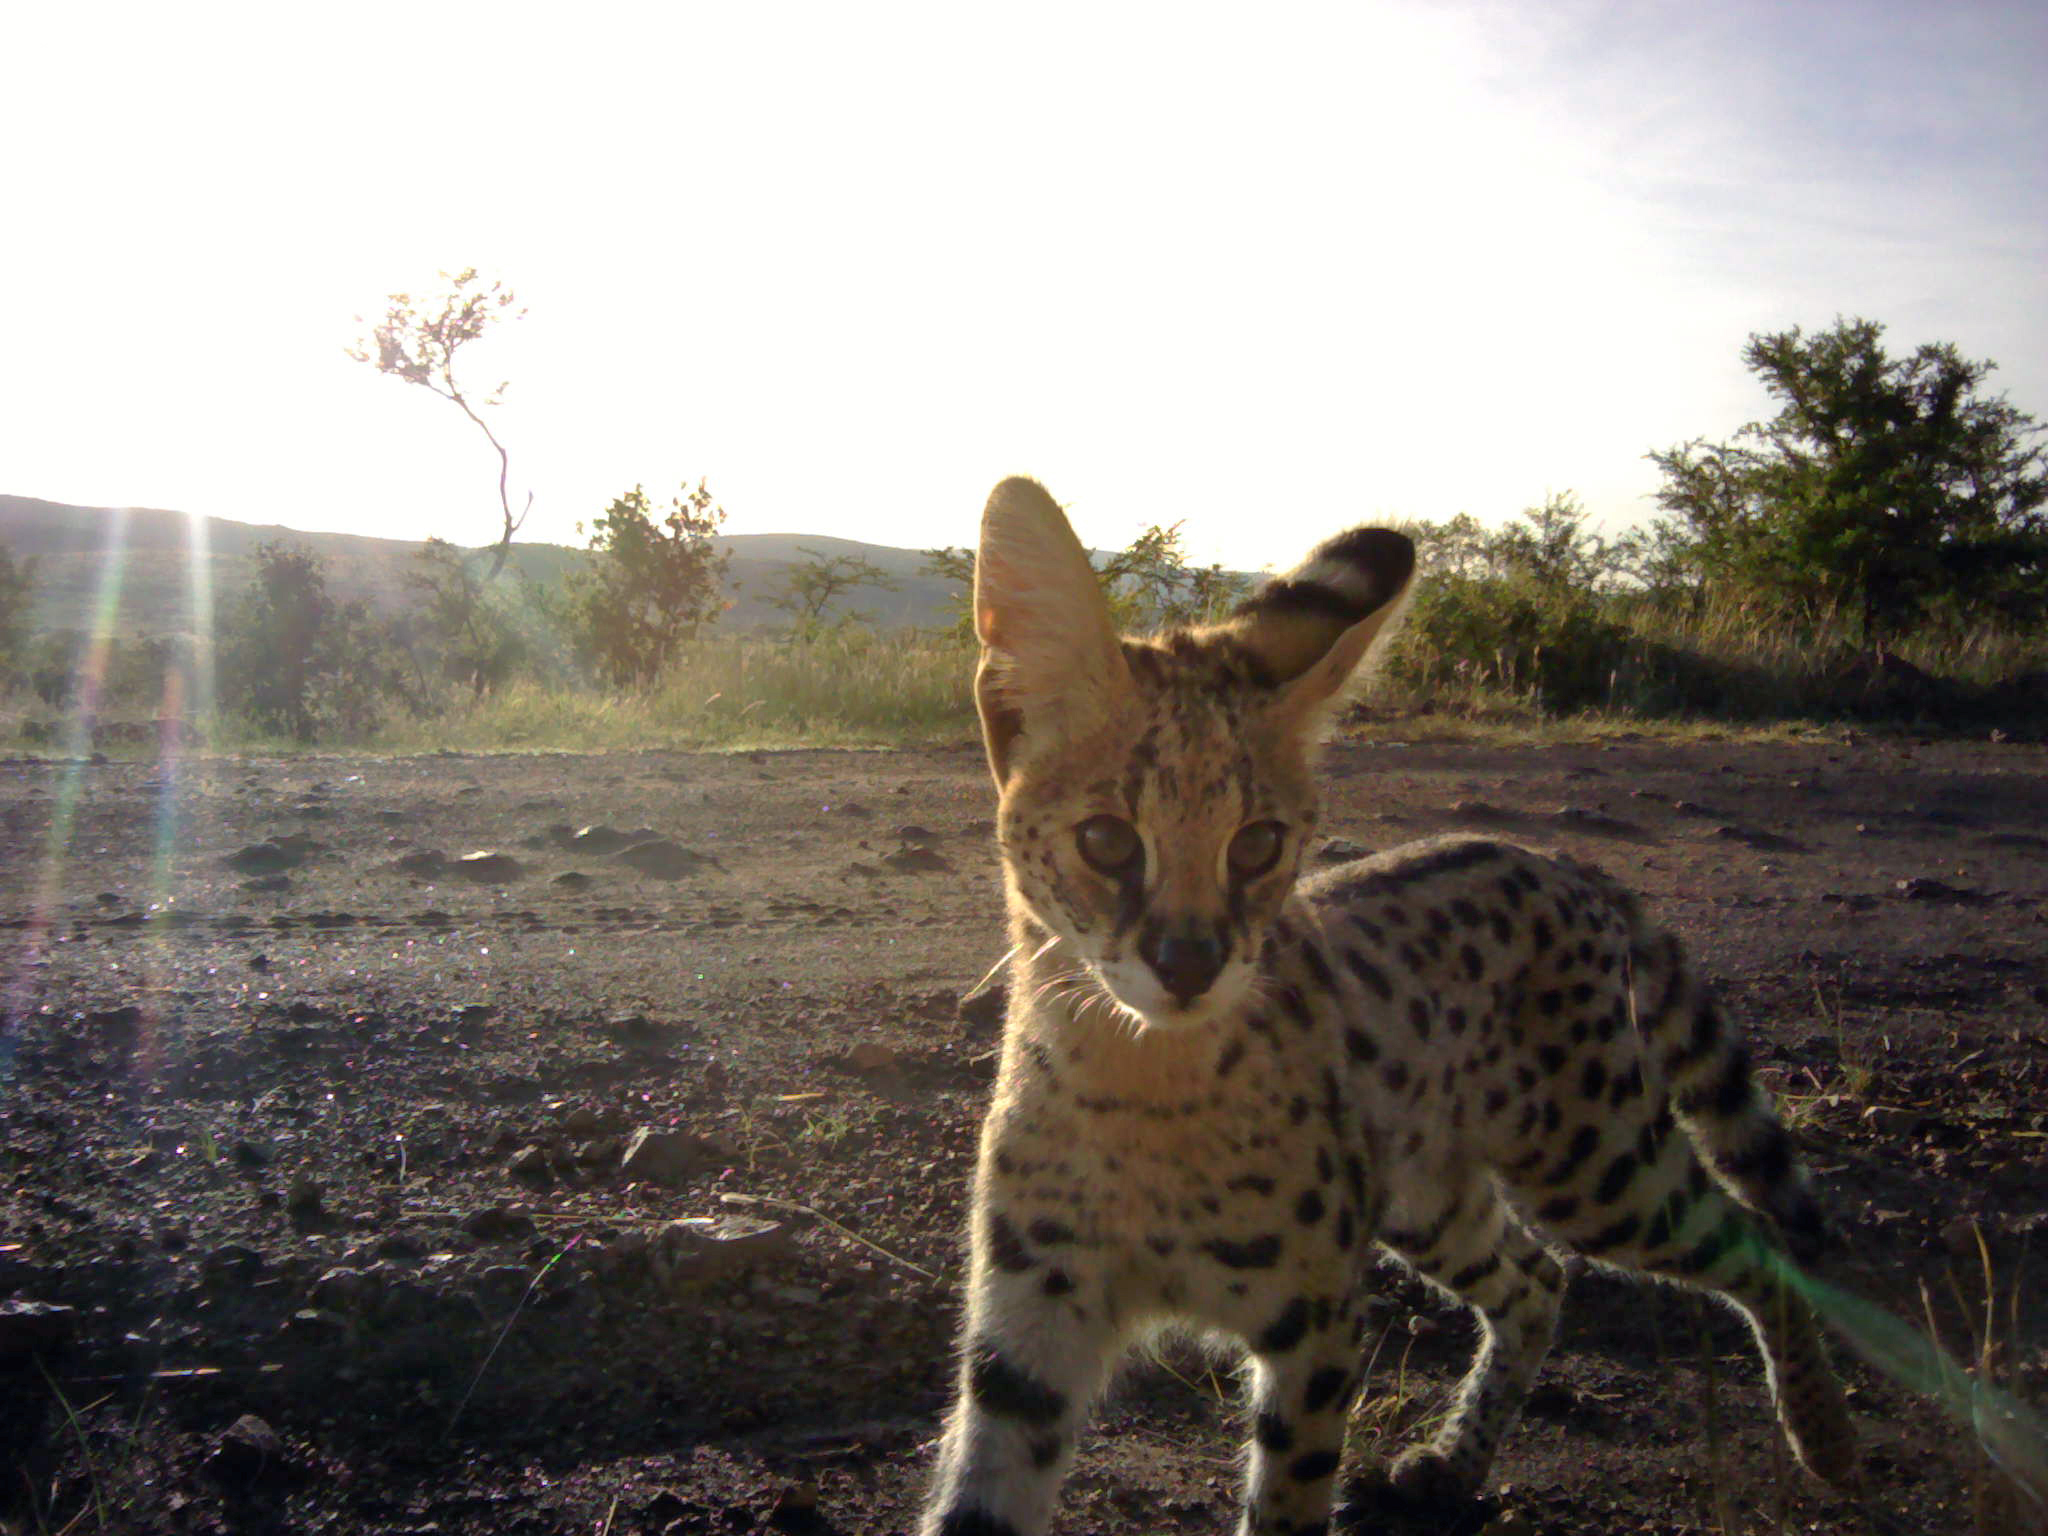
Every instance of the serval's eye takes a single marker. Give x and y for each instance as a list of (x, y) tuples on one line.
[(1256, 848), (1109, 843)]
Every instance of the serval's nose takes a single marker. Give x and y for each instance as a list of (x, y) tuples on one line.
[(1186, 965)]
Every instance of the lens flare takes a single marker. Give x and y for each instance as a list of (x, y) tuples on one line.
[(2013, 1435)]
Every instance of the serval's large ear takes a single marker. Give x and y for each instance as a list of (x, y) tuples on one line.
[(1050, 663), (1313, 627)]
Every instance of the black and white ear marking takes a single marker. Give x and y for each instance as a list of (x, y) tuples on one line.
[(1313, 626)]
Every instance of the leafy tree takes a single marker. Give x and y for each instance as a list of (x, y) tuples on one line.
[(17, 588), (1148, 583), (295, 659), (475, 643), (1888, 485), (652, 586), (957, 566), (806, 590), (1459, 546), (420, 342), (1551, 546)]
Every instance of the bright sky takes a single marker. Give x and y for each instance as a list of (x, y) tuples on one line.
[(1272, 269)]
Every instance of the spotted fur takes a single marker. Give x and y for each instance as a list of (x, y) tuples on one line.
[(1223, 1088)]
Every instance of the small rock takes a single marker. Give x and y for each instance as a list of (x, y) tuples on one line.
[(1924, 888), (917, 861), (706, 1247), (799, 1497), (498, 1224), (1961, 1236), (579, 1120), (316, 1326), (426, 864), (1340, 850), (306, 1198), (530, 1163), (263, 884), (33, 1327), (985, 1008), (344, 1290), (664, 860), (873, 1056), (487, 867), (246, 1450), (232, 1264), (603, 840), (504, 1283), (266, 858), (914, 835), (572, 880), (663, 1157), (1890, 1120)]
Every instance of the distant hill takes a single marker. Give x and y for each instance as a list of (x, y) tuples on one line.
[(144, 556)]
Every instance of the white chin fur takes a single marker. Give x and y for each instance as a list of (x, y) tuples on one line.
[(1137, 991)]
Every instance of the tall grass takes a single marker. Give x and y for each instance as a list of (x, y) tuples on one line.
[(853, 687), (1481, 656), (1503, 649)]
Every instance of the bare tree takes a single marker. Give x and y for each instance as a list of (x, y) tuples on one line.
[(419, 343)]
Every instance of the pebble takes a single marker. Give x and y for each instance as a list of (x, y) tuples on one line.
[(246, 1450), (663, 1157), (30, 1327), (530, 1162), (488, 867)]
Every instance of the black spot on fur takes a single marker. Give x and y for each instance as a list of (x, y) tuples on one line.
[(1286, 1330), (1261, 1252), (1325, 1387), (1308, 1210), (1273, 1432), (1767, 1159), (1005, 1247), (1313, 1465), (1614, 1182), (1609, 1238), (1726, 1094), (1374, 978), (1474, 1272), (1585, 1141), (1007, 1392), (1558, 1209), (974, 1522)]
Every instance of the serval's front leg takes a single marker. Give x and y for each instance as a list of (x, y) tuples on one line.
[(1034, 1350), (1305, 1370)]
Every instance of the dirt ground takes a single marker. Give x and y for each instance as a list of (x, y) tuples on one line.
[(614, 1184)]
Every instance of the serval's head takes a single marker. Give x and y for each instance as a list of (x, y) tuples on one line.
[(1157, 793)]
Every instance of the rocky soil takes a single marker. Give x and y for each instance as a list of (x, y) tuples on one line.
[(578, 1144)]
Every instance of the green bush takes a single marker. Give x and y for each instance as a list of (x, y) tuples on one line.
[(1549, 645)]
